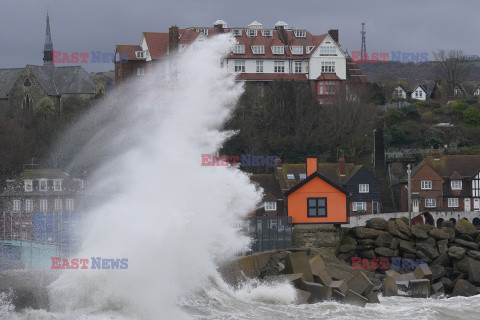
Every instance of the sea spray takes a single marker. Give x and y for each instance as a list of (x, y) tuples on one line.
[(173, 219)]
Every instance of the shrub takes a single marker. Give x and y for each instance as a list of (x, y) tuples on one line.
[(393, 116), (471, 116), (459, 106), (45, 108)]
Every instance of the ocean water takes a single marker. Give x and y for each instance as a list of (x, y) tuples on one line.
[(175, 220)]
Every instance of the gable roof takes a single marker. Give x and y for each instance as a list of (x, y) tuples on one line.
[(269, 184), (127, 51), (71, 79), (464, 165), (313, 176), (8, 77)]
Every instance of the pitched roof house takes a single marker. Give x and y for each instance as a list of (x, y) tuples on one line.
[(419, 92), (281, 53)]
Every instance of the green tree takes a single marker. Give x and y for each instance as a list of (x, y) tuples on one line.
[(471, 116), (45, 108)]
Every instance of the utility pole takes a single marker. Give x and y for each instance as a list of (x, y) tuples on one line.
[(409, 172), (363, 51)]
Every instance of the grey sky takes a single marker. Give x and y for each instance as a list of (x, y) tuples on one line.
[(93, 25)]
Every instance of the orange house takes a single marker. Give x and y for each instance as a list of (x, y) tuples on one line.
[(317, 199)]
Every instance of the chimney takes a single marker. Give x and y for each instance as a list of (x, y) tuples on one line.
[(312, 165), (436, 155), (173, 39), (334, 34), (282, 34), (278, 163), (341, 166), (219, 28)]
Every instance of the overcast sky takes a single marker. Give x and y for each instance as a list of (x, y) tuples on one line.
[(98, 25)]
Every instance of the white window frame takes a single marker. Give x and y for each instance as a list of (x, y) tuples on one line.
[(251, 32), (28, 205), (290, 176), (258, 49), (279, 50), (57, 187), (202, 30), (328, 66), (431, 203), (302, 176), (309, 49), (140, 71), (426, 185), (28, 184), (298, 66), (239, 66), (43, 205), (239, 49), (279, 66), (40, 182), (300, 33), (328, 51), (359, 206), (16, 205), (456, 184), (270, 205), (259, 66), (58, 205), (69, 204), (267, 33), (453, 202), (236, 32), (296, 50), (363, 188)]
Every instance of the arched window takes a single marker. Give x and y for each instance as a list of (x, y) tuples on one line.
[(27, 103)]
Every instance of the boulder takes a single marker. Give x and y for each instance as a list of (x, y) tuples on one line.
[(392, 228), (439, 234), (442, 246), (347, 256), (451, 232), (366, 233), (384, 252), (438, 271), (419, 288), (477, 239), (360, 283), (447, 284), (351, 297), (344, 248), (466, 237), (389, 287), (464, 288), (425, 227), (422, 271), (461, 265), (384, 240), (369, 254), (395, 243), (447, 224), (407, 247), (298, 263), (438, 288), (419, 233), (474, 271), (456, 252), (366, 241), (467, 244), (473, 254), (428, 250), (363, 247), (403, 227), (431, 242), (463, 226), (377, 224), (443, 260), (349, 240)]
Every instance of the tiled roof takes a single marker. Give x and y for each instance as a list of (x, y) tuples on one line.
[(270, 76), (270, 185), (8, 77), (328, 76), (464, 165), (157, 43), (128, 51)]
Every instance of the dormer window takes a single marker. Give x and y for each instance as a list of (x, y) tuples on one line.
[(258, 49), (251, 32), (296, 49), (203, 31), (267, 33), (140, 54), (278, 50), (236, 32), (302, 176), (270, 205), (239, 49), (290, 176), (310, 48), (300, 33), (42, 184), (456, 184), (57, 185), (28, 185)]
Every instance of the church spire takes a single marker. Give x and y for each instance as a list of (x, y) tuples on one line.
[(48, 46)]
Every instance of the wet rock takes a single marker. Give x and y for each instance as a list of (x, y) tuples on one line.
[(351, 297), (426, 227), (389, 287), (461, 265), (428, 250), (349, 240), (456, 252), (442, 246), (474, 271), (395, 243), (347, 256), (467, 244), (366, 241), (419, 288), (447, 224), (439, 234), (403, 227), (360, 283), (447, 284), (338, 296), (344, 248), (466, 237), (384, 252), (438, 271), (407, 247), (422, 271), (464, 288), (465, 227), (319, 292), (443, 260), (303, 297), (368, 254), (384, 240), (363, 247), (295, 279), (392, 228), (451, 232), (372, 297), (298, 263), (419, 233), (377, 224), (317, 266), (473, 254), (438, 288), (366, 233)]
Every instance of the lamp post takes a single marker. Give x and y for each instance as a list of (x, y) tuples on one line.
[(409, 172), (374, 131)]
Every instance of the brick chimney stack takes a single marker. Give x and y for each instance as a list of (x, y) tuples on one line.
[(173, 39), (312, 165), (219, 28), (341, 166), (436, 155), (278, 163), (283, 34), (334, 34)]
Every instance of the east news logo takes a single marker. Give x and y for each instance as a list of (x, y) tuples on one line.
[(96, 263)]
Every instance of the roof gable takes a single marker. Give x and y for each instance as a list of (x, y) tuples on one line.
[(8, 77), (313, 176)]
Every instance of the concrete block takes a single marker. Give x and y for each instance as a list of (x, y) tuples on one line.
[(351, 297), (464, 288), (303, 297), (419, 288), (339, 285), (422, 271), (372, 297), (438, 288), (360, 284), (296, 279), (389, 287), (319, 292), (298, 263)]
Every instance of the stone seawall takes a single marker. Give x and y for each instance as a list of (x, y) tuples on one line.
[(317, 236)]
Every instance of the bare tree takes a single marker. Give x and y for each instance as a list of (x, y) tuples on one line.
[(453, 68)]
